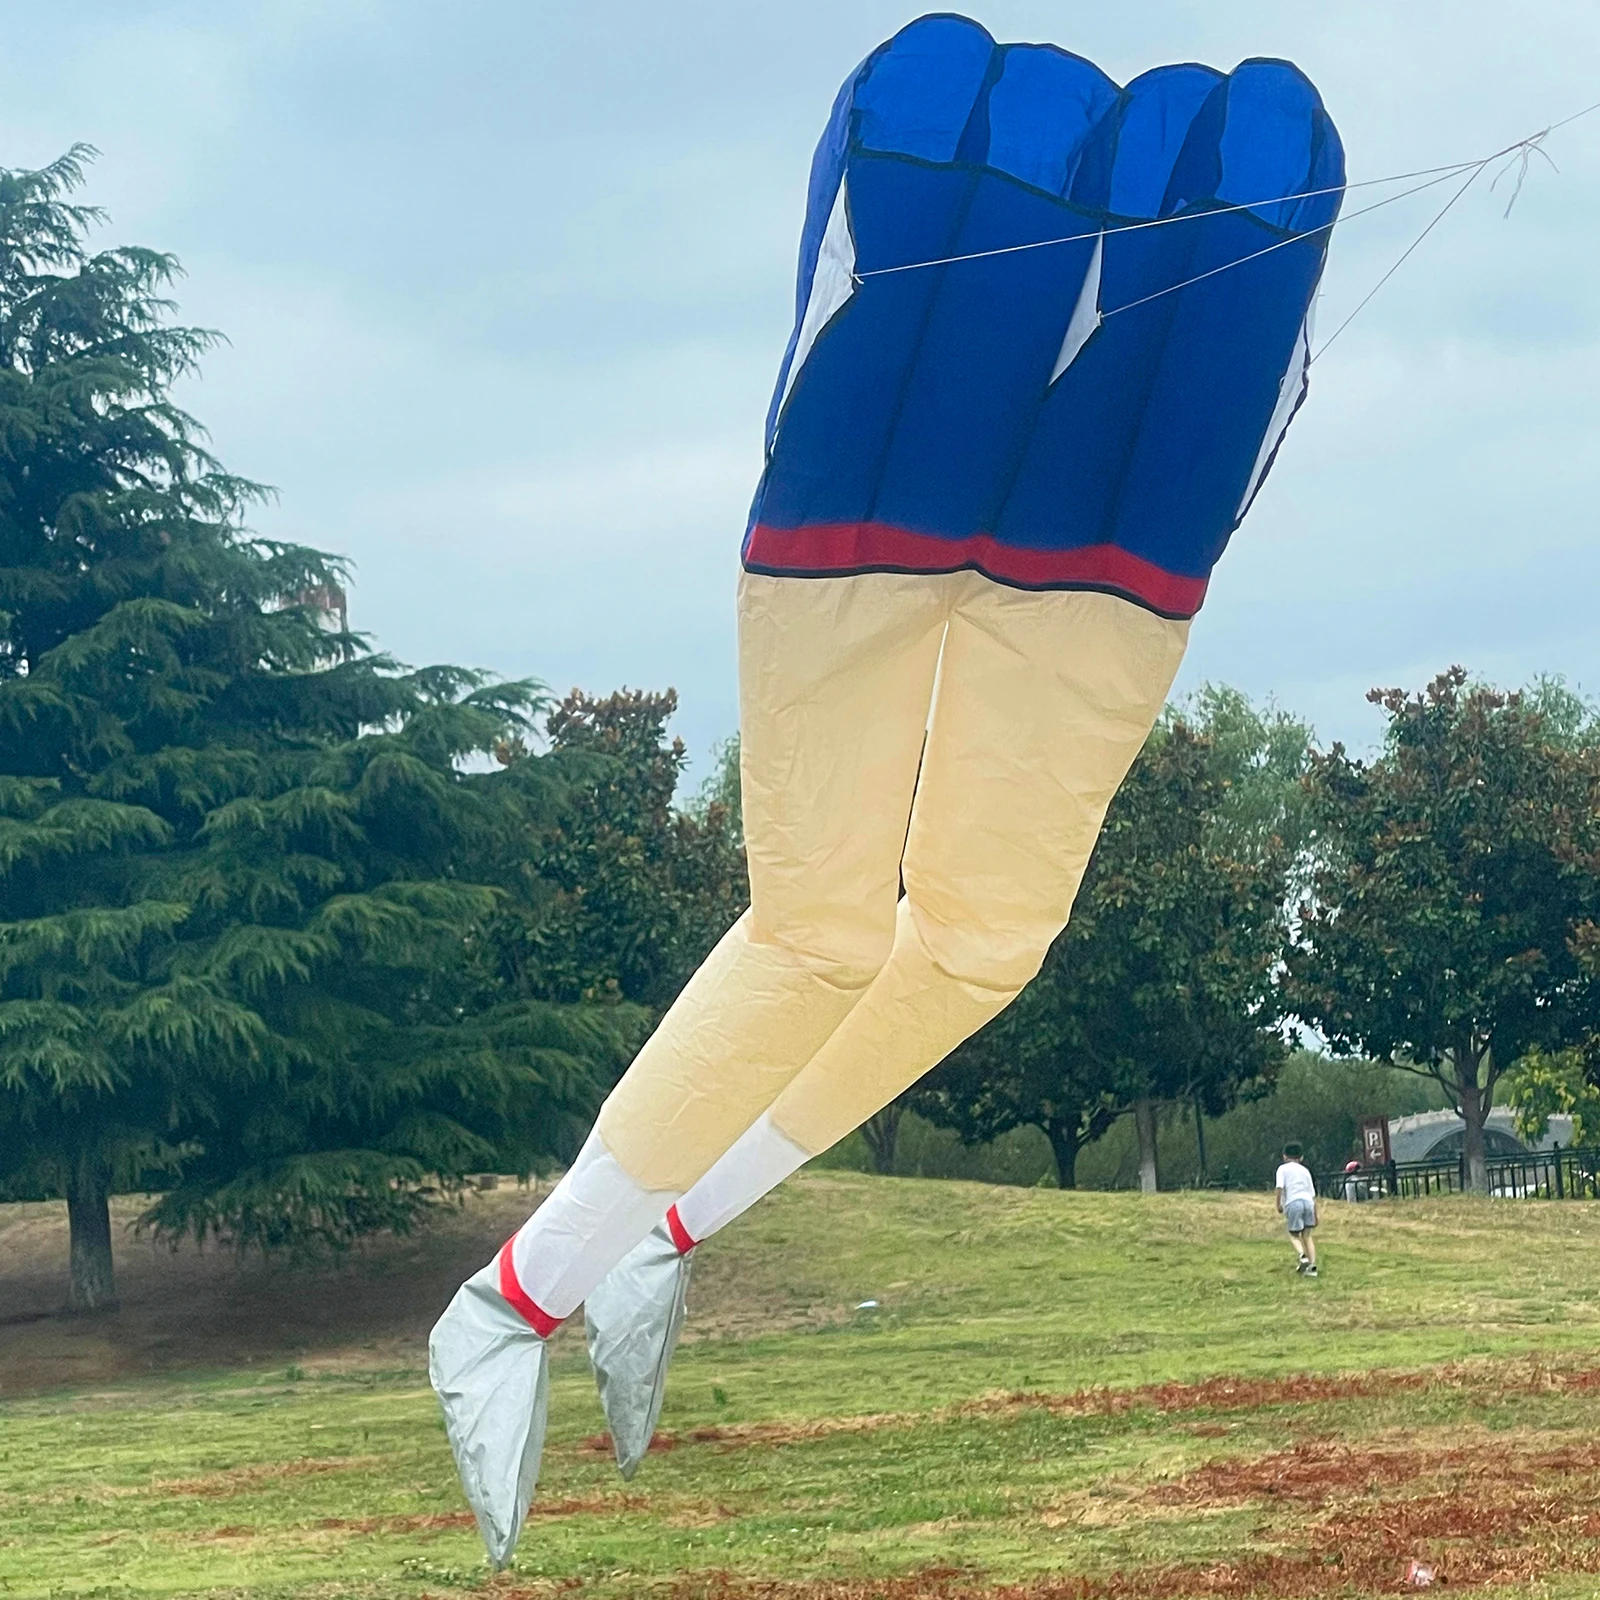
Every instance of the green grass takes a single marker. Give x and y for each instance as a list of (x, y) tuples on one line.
[(337, 1482)]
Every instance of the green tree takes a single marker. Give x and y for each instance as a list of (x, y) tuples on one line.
[(1261, 755), (643, 888), (1548, 1083), (880, 1133), (1026, 1068), (722, 789), (1162, 985), (241, 865), (1315, 1100), (1445, 930)]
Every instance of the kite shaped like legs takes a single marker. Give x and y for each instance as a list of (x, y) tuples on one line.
[(825, 999), (491, 1371), (1043, 703), (633, 1320)]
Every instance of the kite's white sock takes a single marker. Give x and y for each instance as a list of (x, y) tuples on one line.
[(759, 1160), (592, 1219)]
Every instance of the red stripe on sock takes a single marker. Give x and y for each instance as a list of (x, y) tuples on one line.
[(680, 1234), (539, 1320)]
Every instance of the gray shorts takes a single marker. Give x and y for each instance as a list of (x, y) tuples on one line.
[(1300, 1215)]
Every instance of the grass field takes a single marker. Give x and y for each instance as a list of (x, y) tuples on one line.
[(1069, 1395)]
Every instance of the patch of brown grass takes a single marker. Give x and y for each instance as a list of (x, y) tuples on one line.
[(742, 1435), (594, 1505), (1318, 1471), (1490, 1509), (1345, 1573), (692, 1514), (422, 1522), (241, 1480), (1486, 1381)]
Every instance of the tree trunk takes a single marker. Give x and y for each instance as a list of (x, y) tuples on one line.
[(1473, 1110), (89, 1222), (1200, 1141), (1144, 1119), (882, 1133), (1064, 1144)]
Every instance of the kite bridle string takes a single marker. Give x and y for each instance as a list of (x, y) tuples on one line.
[(1444, 175), (1472, 178), (1520, 152), (1299, 238)]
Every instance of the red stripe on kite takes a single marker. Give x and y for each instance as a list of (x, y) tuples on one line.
[(845, 547)]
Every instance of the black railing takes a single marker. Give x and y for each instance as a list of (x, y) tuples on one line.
[(1536, 1175)]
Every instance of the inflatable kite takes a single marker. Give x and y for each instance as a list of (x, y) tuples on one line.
[(1049, 335)]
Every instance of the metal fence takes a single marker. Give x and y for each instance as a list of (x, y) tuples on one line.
[(1554, 1174)]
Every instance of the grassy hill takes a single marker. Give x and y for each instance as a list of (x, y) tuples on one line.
[(1068, 1395)]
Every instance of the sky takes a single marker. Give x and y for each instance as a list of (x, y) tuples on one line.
[(505, 285)]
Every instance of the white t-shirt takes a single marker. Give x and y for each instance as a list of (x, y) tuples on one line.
[(1296, 1183)]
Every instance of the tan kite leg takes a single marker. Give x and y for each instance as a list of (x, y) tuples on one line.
[(1044, 699), (835, 680)]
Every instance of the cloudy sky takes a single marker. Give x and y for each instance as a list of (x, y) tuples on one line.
[(506, 284)]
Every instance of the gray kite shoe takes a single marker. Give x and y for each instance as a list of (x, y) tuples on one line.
[(491, 1370), (633, 1320)]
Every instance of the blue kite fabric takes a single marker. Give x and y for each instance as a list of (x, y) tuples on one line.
[(1060, 417)]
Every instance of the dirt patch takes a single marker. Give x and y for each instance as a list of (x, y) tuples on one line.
[(1483, 1380), (1494, 1509), (193, 1309), (242, 1480), (1315, 1473), (1266, 1577)]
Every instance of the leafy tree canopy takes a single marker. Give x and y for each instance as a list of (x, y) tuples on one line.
[(1548, 1083), (1450, 924), (643, 888)]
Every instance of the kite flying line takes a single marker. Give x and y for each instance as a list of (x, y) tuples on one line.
[(1518, 154)]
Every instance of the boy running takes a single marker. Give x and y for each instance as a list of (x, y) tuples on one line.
[(1297, 1200)]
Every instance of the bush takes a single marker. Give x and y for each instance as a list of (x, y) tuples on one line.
[(1021, 1157), (1317, 1100)]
